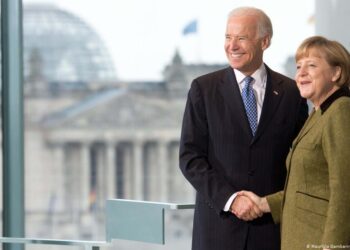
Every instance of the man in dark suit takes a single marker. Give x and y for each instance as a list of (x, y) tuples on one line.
[(238, 125)]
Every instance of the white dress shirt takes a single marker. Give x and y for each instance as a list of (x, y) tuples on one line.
[(258, 84), (259, 87)]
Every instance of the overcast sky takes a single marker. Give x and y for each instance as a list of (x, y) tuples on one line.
[(142, 35)]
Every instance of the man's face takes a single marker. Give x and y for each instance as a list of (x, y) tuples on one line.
[(243, 47)]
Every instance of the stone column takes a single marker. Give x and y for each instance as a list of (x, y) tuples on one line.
[(163, 169), (125, 180), (58, 175), (138, 170), (85, 168), (101, 172), (111, 170), (151, 181)]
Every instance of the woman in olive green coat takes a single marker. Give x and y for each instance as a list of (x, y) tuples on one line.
[(314, 208)]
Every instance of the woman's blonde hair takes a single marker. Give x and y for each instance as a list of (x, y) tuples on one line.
[(332, 51)]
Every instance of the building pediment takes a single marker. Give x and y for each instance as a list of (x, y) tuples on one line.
[(119, 109)]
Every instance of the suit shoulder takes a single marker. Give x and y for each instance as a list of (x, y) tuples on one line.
[(341, 105), (205, 84), (286, 82), (285, 79), (211, 77)]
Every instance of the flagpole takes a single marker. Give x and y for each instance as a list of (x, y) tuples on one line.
[(190, 30), (198, 49)]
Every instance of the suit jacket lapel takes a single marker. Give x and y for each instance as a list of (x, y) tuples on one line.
[(310, 122), (273, 95), (231, 93)]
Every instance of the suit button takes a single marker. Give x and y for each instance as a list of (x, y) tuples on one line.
[(209, 205)]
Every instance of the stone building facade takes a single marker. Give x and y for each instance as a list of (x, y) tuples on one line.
[(113, 142), (90, 137)]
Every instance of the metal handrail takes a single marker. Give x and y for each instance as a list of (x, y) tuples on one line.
[(125, 219), (88, 245)]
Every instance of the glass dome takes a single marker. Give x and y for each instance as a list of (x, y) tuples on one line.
[(64, 48)]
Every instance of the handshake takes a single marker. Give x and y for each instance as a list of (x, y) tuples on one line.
[(248, 206)]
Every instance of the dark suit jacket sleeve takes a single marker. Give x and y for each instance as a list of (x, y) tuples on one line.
[(205, 178)]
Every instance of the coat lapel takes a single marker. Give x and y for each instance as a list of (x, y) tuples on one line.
[(231, 94), (310, 122), (273, 95)]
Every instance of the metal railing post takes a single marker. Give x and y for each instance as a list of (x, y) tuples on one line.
[(12, 121)]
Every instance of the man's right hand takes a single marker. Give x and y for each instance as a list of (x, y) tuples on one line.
[(261, 202), (244, 208)]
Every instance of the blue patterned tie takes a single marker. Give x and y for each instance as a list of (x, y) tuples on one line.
[(250, 103)]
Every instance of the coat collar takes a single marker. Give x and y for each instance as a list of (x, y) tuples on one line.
[(230, 92), (311, 121), (343, 91), (273, 95)]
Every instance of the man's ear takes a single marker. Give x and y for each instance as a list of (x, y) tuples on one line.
[(265, 42)]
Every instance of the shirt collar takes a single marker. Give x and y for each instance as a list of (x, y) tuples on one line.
[(343, 91), (260, 76)]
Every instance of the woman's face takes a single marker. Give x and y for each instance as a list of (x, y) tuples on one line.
[(316, 79)]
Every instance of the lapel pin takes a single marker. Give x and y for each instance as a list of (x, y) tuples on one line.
[(275, 92)]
